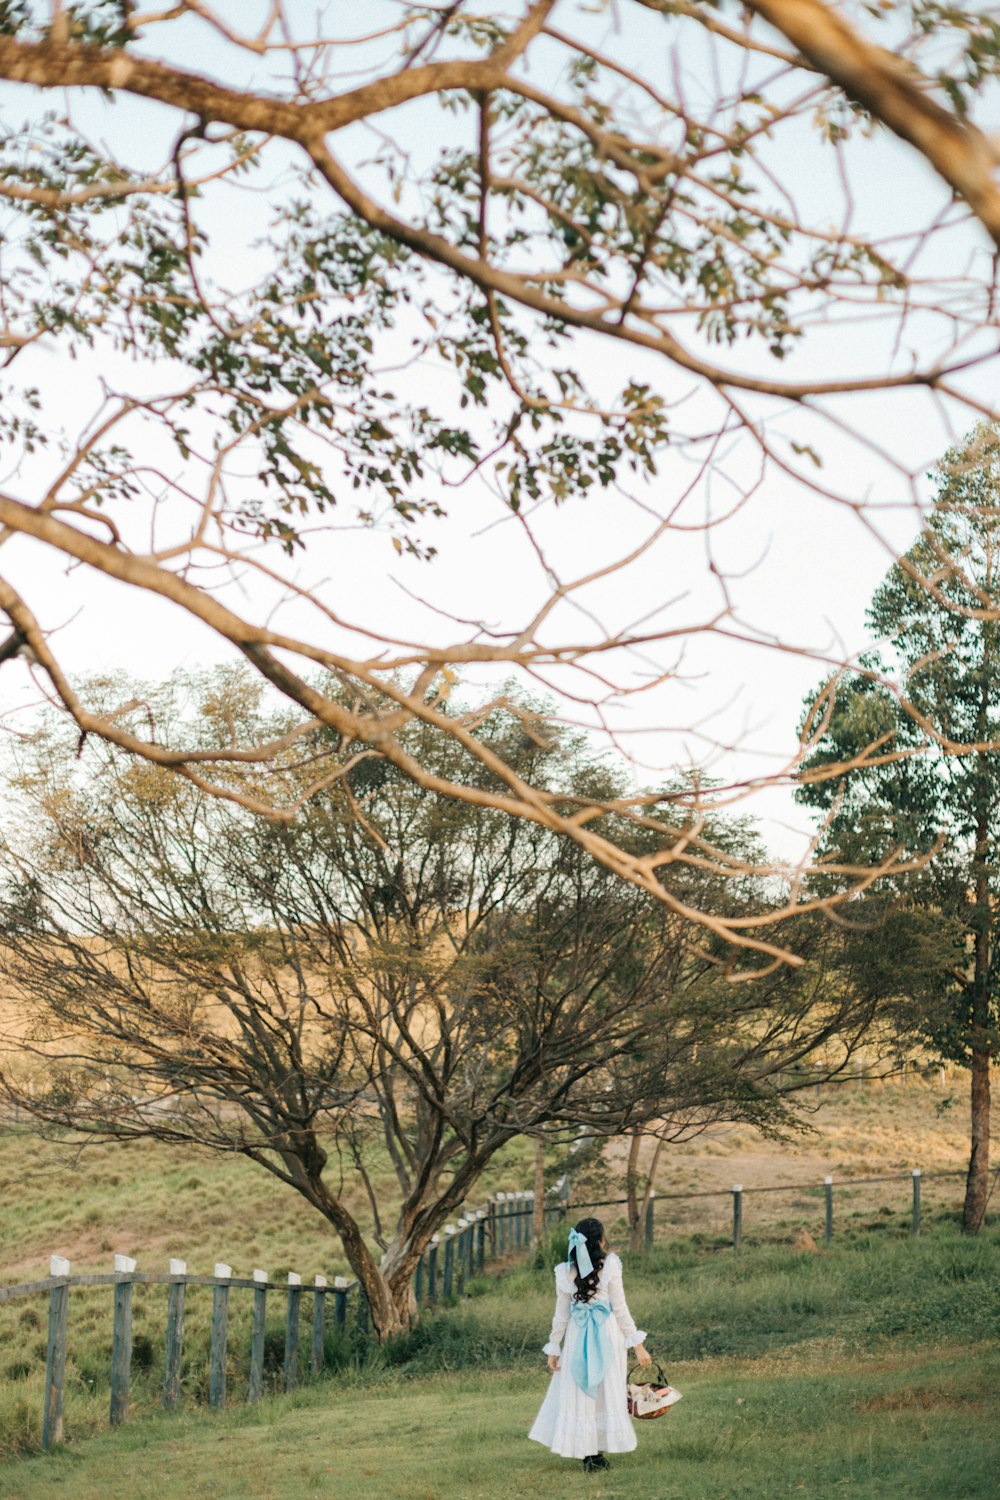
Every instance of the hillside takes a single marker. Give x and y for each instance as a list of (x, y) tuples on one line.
[(152, 1201)]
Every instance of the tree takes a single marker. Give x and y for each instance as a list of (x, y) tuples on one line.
[(873, 973), (489, 196), (937, 615), (393, 984)]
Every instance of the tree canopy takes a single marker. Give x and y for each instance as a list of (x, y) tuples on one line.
[(374, 1000), (351, 266), (931, 699)]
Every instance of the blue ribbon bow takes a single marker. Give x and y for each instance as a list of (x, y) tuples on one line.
[(578, 1242), (589, 1362)]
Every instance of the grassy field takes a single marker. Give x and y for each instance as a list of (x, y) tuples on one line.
[(153, 1202), (866, 1370), (856, 1352)]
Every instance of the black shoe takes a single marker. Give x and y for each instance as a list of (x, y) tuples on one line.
[(595, 1463)]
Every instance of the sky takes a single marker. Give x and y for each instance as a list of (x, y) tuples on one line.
[(801, 568)]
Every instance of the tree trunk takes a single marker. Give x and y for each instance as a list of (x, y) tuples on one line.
[(538, 1220), (977, 1180), (632, 1188), (387, 1287), (648, 1192), (636, 1208)]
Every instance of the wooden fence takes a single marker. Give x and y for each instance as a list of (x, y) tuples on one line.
[(737, 1193), (501, 1228)]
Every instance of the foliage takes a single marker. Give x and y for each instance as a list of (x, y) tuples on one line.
[(392, 973), (940, 776), (336, 281), (935, 787)]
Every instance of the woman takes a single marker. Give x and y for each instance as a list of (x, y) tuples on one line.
[(585, 1411)]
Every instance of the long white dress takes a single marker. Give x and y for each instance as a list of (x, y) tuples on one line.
[(570, 1422)]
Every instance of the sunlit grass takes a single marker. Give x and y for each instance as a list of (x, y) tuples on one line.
[(812, 1325), (877, 1312)]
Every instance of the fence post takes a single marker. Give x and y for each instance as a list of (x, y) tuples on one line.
[(470, 1247), (460, 1255), (292, 1331), (432, 1268), (418, 1282), (340, 1289), (175, 1336), (517, 1212), (650, 1210), (491, 1214), (121, 1342), (828, 1191), (220, 1334), (915, 1227), (258, 1328), (480, 1239), (55, 1356), (319, 1325), (737, 1215), (501, 1224), (449, 1257)]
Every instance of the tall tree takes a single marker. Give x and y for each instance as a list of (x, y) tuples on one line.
[(576, 253), (394, 978), (936, 776)]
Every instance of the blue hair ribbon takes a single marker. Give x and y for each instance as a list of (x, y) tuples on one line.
[(578, 1242)]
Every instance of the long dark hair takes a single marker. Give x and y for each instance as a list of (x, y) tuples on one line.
[(593, 1232)]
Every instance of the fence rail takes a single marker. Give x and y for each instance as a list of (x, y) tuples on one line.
[(503, 1226), (737, 1193)]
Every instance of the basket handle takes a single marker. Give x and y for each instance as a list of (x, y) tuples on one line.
[(659, 1371)]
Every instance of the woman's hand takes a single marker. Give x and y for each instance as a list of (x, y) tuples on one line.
[(554, 1363), (642, 1355)]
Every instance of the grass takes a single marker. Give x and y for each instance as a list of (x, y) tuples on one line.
[(916, 1427), (855, 1353), (863, 1368), (152, 1201)]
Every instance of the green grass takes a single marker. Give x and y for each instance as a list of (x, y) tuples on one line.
[(153, 1201), (917, 1427), (866, 1369)]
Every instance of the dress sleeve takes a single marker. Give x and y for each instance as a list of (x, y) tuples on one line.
[(559, 1318), (616, 1296)]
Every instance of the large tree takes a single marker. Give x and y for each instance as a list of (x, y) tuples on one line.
[(537, 247), (931, 700), (394, 983)]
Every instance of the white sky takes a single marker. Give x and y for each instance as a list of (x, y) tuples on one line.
[(808, 567)]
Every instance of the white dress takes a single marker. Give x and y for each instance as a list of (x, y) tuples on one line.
[(570, 1422)]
